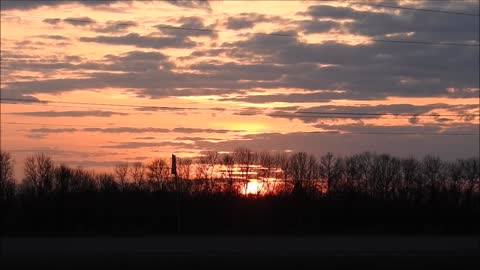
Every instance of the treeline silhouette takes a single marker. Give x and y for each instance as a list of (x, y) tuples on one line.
[(294, 193)]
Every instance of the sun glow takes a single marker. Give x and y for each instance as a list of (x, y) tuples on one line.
[(253, 187)]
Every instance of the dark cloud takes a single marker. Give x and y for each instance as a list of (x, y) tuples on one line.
[(54, 37), (79, 21), (198, 4), (143, 82), (209, 53), (331, 12), (316, 26), (348, 68), (373, 70), (312, 114), (72, 58), (291, 98), (26, 5), (249, 111), (104, 27), (360, 127), (115, 26), (37, 135), (236, 71), (40, 65), (138, 61), (286, 108), (239, 23), (53, 21), (248, 20), (464, 108), (433, 129), (150, 41), (54, 130), (145, 138), (462, 128), (189, 27), (347, 144), (361, 72), (443, 120), (92, 113), (396, 73), (133, 61), (15, 97), (414, 120), (441, 27)]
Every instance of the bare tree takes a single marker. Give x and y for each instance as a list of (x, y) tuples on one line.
[(228, 162), (267, 161), (202, 173), (184, 171), (365, 167), (351, 172), (330, 169), (412, 179), (312, 175), (432, 170), (6, 174), (82, 180), (471, 175), (184, 168), (121, 172), (158, 171), (137, 172), (471, 169), (39, 173), (245, 159), (385, 175), (107, 182), (298, 168), (209, 161), (282, 162), (63, 178)]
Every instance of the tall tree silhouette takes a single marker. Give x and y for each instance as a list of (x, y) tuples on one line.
[(7, 182), (267, 163), (330, 169), (39, 174), (121, 172), (412, 180), (138, 172), (283, 162), (228, 162), (158, 172), (433, 173)]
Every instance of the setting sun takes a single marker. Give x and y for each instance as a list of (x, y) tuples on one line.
[(253, 187)]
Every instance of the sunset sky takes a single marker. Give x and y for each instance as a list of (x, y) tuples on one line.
[(189, 76)]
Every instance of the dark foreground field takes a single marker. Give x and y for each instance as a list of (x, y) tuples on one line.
[(243, 252)]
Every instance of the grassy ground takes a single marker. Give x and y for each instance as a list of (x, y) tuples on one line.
[(244, 252)]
